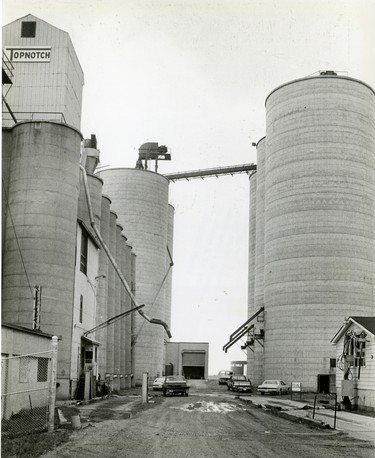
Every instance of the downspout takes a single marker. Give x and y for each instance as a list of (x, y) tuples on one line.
[(112, 260)]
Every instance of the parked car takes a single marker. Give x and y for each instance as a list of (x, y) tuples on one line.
[(273, 387), (175, 384), (157, 384), (224, 376), (239, 383)]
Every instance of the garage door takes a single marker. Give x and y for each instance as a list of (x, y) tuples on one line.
[(193, 358)]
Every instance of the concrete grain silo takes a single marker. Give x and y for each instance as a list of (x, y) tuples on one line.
[(319, 221), (127, 270), (251, 271), (141, 201), (168, 288), (102, 286), (117, 310), (111, 300), (258, 364), (43, 189), (123, 298)]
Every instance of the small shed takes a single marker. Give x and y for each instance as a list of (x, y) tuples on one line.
[(355, 371), (25, 369)]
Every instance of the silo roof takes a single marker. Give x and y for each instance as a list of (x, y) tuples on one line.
[(319, 76)]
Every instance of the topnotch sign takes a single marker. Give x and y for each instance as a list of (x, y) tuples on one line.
[(28, 53)]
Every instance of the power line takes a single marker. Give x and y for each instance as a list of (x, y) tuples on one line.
[(18, 243)]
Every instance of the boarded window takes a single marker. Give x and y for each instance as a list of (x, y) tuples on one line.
[(84, 249), (42, 370), (28, 29)]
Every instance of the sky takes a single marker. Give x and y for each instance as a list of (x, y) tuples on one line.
[(194, 75)]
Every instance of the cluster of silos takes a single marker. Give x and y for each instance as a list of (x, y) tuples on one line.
[(313, 238), (115, 357), (141, 201), (40, 204)]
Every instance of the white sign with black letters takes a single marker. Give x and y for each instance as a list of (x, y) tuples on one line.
[(28, 53)]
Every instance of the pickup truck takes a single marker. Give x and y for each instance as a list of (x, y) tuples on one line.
[(239, 383), (175, 384)]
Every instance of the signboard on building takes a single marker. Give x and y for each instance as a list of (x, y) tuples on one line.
[(28, 53)]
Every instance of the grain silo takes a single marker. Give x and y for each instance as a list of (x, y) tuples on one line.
[(40, 230), (111, 299), (319, 221), (102, 288), (251, 271), (141, 201), (258, 363)]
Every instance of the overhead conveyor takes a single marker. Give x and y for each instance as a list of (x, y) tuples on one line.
[(241, 331)]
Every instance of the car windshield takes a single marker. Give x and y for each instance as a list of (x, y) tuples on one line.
[(238, 377), (175, 378), (270, 382)]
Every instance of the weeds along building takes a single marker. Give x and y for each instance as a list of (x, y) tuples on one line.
[(312, 221), (56, 276)]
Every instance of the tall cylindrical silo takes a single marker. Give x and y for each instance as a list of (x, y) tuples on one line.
[(251, 268), (117, 311), (123, 320), (168, 289), (43, 201), (133, 316), (128, 257), (6, 156), (319, 220), (258, 363), (102, 288), (141, 201), (111, 300)]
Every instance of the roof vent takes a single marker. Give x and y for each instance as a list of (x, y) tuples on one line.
[(328, 73)]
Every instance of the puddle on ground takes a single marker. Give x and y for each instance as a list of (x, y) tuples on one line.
[(209, 407)]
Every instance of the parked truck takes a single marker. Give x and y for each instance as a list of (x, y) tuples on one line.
[(175, 384), (239, 383)]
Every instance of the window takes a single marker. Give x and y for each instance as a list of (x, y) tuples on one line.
[(360, 353), (81, 309), (28, 29), (42, 370), (84, 248), (332, 363)]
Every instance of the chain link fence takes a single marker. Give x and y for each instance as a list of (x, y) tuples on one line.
[(28, 389)]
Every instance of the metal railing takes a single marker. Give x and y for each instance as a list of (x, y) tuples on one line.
[(55, 116)]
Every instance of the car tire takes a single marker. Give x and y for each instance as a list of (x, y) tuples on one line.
[(261, 393)]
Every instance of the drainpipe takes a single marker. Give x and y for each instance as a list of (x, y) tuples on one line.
[(112, 260)]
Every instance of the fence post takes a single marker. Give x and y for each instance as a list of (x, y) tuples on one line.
[(145, 388), (52, 385)]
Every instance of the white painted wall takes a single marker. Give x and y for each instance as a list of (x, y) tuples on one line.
[(364, 388)]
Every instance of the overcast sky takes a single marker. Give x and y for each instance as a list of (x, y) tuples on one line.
[(194, 75)]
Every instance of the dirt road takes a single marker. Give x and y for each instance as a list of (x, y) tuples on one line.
[(202, 426)]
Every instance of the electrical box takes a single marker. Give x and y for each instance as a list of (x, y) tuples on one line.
[(347, 388)]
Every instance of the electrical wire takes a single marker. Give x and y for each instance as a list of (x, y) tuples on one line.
[(18, 243)]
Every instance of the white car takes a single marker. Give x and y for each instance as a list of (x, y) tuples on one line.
[(158, 384), (273, 387)]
